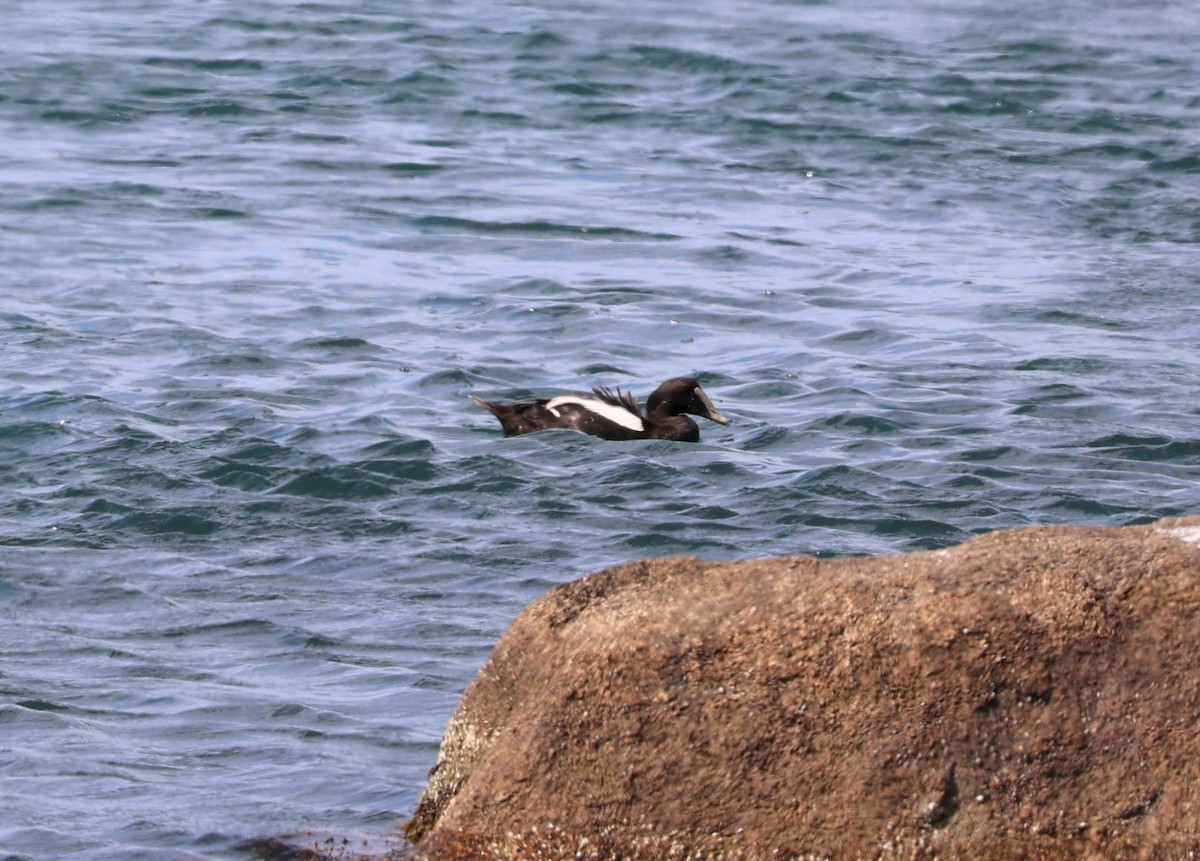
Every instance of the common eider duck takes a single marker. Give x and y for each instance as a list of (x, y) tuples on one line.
[(613, 414)]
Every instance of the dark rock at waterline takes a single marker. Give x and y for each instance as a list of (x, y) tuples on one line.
[(1030, 693)]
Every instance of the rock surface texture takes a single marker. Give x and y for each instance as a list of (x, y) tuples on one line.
[(1032, 693)]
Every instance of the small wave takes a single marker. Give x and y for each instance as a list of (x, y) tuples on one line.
[(537, 229)]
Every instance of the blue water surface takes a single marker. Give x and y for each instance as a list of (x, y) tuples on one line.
[(937, 262)]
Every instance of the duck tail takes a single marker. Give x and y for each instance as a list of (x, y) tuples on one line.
[(494, 409)]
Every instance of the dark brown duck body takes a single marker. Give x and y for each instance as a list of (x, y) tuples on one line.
[(613, 415)]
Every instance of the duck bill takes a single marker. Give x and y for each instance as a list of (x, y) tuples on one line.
[(710, 412)]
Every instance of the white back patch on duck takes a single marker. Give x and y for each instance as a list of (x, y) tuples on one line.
[(615, 414)]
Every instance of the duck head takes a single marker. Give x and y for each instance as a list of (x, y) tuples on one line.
[(682, 395)]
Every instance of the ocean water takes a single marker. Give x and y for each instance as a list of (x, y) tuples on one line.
[(936, 261)]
